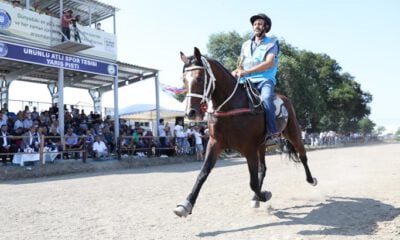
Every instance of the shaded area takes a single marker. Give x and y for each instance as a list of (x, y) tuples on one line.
[(344, 216), (124, 167)]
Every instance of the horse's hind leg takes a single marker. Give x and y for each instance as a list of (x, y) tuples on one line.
[(255, 181), (212, 153), (294, 138), (262, 168)]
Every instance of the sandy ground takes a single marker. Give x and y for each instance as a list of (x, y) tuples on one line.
[(358, 197)]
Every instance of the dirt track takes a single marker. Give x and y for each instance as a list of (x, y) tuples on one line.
[(358, 197)]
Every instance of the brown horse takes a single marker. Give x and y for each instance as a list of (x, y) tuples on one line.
[(232, 125)]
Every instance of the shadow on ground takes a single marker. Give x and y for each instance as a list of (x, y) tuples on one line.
[(342, 216)]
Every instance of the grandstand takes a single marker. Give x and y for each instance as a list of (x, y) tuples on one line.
[(32, 50)]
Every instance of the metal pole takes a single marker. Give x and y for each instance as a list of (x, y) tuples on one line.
[(116, 112), (27, 4), (115, 23), (61, 102), (157, 103), (61, 8), (90, 16)]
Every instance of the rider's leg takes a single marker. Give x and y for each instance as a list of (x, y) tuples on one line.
[(266, 89)]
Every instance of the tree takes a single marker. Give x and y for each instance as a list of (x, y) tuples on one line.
[(380, 130), (225, 47), (365, 125)]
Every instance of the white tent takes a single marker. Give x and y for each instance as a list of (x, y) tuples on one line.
[(143, 103)]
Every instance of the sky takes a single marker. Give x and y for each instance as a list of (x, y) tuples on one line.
[(363, 36)]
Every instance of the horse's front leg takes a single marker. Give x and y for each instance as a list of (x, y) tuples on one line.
[(212, 153), (262, 168), (256, 182)]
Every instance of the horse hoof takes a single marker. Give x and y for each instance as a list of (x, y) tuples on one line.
[(314, 182), (254, 204), (181, 211), (266, 195)]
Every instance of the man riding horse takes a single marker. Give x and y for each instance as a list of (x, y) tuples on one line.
[(259, 58)]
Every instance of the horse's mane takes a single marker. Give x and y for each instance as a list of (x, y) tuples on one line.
[(193, 60), (226, 71)]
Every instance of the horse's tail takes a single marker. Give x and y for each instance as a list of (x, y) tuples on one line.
[(288, 148)]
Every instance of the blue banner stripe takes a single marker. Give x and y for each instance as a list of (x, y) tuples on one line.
[(55, 59)]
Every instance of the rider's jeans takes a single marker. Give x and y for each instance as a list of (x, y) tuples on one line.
[(266, 89)]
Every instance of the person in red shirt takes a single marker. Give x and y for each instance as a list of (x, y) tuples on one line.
[(65, 22)]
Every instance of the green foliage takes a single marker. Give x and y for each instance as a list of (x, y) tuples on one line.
[(225, 47), (365, 125), (398, 132), (323, 96), (380, 130)]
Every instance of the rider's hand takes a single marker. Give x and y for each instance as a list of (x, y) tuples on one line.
[(241, 73), (234, 73)]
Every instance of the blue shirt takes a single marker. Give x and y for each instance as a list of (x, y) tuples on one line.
[(254, 54)]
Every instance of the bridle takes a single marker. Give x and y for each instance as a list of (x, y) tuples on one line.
[(209, 86)]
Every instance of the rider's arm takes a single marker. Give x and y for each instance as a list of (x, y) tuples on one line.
[(267, 64)]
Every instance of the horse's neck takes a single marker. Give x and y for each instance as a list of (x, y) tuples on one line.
[(224, 86)]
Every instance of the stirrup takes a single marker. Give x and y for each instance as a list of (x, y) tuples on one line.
[(271, 140)]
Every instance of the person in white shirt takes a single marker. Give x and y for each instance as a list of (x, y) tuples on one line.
[(180, 136), (161, 133), (199, 143), (99, 148)]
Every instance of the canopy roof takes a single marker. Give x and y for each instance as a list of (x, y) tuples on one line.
[(99, 11), (142, 95), (127, 74)]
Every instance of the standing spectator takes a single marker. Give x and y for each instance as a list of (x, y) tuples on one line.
[(161, 133), (65, 22), (35, 7), (16, 3), (180, 136), (34, 114), (76, 30), (99, 148), (98, 27), (199, 144), (5, 144)]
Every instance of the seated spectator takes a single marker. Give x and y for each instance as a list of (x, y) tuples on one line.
[(126, 145), (109, 139), (29, 140), (6, 147), (28, 123), (53, 140), (72, 143), (99, 148), (19, 123), (3, 121), (89, 140)]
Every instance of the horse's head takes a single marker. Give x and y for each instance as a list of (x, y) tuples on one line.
[(197, 83)]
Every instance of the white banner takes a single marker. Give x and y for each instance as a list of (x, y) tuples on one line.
[(46, 30)]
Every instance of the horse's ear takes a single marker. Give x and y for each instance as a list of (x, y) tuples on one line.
[(184, 58), (197, 53)]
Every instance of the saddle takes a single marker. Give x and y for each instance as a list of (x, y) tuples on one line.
[(256, 106)]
